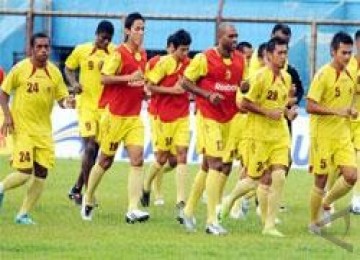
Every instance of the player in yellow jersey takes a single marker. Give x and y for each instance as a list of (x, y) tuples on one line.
[(330, 105), (171, 163), (89, 58), (268, 136), (354, 69), (172, 116), (35, 83)]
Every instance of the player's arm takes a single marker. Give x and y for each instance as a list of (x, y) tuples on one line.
[(8, 85), (197, 69), (315, 95), (62, 94), (72, 63), (250, 102), (157, 74), (112, 66)]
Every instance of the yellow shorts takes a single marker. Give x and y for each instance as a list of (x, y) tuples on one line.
[(199, 133), (355, 134), (173, 134), (262, 154), (30, 149), (237, 136), (326, 155), (89, 122), (153, 132), (115, 129), (217, 139)]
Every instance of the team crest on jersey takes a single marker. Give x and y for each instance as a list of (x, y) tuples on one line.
[(138, 56), (227, 74)]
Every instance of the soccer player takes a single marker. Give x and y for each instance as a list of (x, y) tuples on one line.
[(246, 49), (123, 78), (330, 103), (214, 77), (354, 68), (89, 58), (172, 116), (35, 83), (171, 163), (268, 136)]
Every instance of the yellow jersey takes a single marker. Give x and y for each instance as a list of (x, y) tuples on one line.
[(270, 92), (354, 69), (90, 61), (332, 89), (34, 91)]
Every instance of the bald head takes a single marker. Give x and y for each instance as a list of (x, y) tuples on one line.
[(227, 37), (223, 28)]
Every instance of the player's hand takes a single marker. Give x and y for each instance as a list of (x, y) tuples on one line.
[(275, 114), (7, 126), (177, 89), (215, 98), (353, 113), (292, 101), (69, 102), (292, 113), (77, 88), (136, 76)]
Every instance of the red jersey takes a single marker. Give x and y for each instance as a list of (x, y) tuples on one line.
[(124, 99), (224, 79), (2, 75), (171, 107), (152, 102)]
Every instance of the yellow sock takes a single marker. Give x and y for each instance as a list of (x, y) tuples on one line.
[(242, 187), (212, 192), (274, 198), (357, 184), (157, 183), (155, 168), (33, 194), (250, 194), (181, 173), (262, 193), (196, 191), (316, 198), (96, 174), (14, 180), (332, 177), (222, 181), (135, 181), (340, 188)]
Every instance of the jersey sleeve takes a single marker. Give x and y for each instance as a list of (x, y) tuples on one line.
[(73, 61), (197, 68), (160, 70), (61, 89), (255, 90), (10, 82), (317, 87), (112, 65)]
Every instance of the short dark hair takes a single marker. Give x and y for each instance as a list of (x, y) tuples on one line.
[(36, 36), (105, 27), (261, 49), (271, 45), (242, 45), (131, 18), (284, 28), (340, 37), (357, 35), (181, 37), (169, 40)]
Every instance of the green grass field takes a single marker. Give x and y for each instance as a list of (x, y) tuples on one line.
[(61, 234)]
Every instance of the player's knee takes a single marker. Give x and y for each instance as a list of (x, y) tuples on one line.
[(216, 165), (41, 173), (172, 161), (320, 181), (91, 149), (137, 161), (181, 157), (106, 162), (161, 158), (226, 169), (351, 177)]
